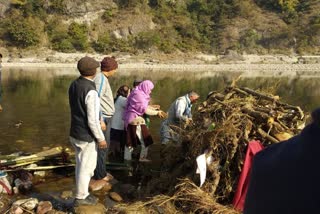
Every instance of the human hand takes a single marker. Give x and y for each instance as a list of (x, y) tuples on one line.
[(102, 144), (156, 106), (103, 125), (188, 121), (162, 114)]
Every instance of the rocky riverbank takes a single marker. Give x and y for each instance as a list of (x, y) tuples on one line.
[(248, 65)]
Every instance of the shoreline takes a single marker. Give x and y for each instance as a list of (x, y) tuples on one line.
[(250, 70)]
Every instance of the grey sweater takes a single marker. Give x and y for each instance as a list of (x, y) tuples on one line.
[(106, 96)]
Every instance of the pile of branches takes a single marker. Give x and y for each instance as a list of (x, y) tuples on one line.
[(222, 127)]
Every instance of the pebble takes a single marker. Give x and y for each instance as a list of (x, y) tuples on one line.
[(44, 207), (115, 196), (29, 203), (66, 194)]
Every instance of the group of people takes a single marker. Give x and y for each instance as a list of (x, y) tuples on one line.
[(102, 124)]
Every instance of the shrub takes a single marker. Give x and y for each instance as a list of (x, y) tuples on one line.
[(23, 33), (146, 40), (102, 45), (78, 34)]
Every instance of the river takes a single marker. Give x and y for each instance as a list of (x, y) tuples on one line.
[(36, 111)]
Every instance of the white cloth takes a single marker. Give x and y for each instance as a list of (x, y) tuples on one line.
[(117, 119), (86, 160), (202, 168), (144, 150), (93, 107), (128, 153)]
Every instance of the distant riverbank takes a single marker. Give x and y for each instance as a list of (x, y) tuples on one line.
[(248, 65)]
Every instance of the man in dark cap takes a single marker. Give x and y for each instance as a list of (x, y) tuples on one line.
[(285, 176), (85, 131), (108, 68)]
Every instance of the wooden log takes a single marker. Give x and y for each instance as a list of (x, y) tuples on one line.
[(257, 94), (266, 135)]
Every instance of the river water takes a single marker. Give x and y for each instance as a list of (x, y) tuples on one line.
[(36, 111)]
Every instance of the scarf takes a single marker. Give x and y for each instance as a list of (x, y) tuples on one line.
[(138, 101)]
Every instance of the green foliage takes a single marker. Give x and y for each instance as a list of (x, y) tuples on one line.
[(23, 33), (31, 8), (249, 38), (57, 6), (186, 25), (78, 34), (107, 15), (130, 3), (103, 44), (147, 40)]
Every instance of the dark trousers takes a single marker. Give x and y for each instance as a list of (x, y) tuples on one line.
[(100, 171)]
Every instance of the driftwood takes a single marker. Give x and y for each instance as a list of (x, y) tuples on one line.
[(239, 115)]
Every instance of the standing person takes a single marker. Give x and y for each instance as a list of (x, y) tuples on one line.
[(146, 117), (284, 177), (117, 133), (0, 81), (85, 131), (179, 113), (108, 68), (137, 131)]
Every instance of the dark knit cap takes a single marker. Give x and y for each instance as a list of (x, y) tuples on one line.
[(109, 64), (87, 66)]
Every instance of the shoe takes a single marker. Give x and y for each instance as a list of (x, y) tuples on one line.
[(144, 160), (89, 200)]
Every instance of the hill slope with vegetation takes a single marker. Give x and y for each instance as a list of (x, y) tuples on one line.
[(164, 26)]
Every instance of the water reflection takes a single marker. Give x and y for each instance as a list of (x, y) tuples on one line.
[(38, 100)]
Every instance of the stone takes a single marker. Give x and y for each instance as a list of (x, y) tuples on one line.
[(29, 203), (86, 209), (66, 194), (115, 196), (107, 187), (109, 203), (15, 209), (96, 185), (44, 207)]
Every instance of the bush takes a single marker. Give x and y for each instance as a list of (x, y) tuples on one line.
[(249, 39), (146, 40), (57, 6), (78, 34), (102, 45), (23, 33)]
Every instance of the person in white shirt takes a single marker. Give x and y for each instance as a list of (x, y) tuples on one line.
[(85, 131), (179, 113), (117, 133)]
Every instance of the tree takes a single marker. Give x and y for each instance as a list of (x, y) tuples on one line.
[(23, 33)]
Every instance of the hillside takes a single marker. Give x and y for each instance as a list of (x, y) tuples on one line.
[(161, 26)]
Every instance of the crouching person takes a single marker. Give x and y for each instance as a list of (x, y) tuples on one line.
[(85, 131)]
